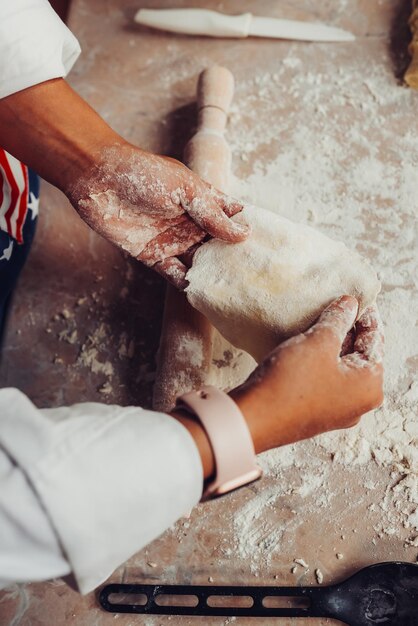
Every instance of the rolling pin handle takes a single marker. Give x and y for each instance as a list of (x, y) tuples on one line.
[(215, 88), (215, 91)]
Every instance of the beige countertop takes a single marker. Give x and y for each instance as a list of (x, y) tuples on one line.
[(322, 133)]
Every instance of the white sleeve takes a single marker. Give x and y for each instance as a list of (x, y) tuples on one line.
[(35, 45), (83, 488)]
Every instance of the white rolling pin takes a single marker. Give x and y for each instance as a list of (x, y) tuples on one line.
[(186, 344)]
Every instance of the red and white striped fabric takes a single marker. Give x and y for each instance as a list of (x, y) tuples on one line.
[(14, 194)]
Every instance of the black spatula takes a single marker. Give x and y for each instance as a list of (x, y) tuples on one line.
[(385, 594)]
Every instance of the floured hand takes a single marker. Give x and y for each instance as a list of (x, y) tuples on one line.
[(153, 207), (317, 381)]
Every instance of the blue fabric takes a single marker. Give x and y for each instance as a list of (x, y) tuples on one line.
[(13, 255)]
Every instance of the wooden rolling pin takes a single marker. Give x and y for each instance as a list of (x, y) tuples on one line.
[(186, 344), (411, 75)]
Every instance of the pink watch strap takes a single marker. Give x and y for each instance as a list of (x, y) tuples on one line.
[(229, 436)]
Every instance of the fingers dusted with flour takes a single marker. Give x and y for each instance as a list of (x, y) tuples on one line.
[(305, 387), (336, 321), (174, 271), (337, 326), (364, 365), (212, 210), (209, 215), (369, 341), (154, 208)]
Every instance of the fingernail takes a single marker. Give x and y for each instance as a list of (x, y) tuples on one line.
[(348, 302), (245, 229)]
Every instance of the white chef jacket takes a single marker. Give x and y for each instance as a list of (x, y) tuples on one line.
[(82, 488), (35, 45)]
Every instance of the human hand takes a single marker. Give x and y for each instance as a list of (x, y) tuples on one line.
[(153, 207), (317, 381)]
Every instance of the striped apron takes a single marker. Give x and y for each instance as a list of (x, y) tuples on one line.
[(19, 198)]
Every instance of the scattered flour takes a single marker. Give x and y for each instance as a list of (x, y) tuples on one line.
[(90, 351), (363, 190), (193, 349)]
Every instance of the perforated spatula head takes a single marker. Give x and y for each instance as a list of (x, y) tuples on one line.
[(380, 595)]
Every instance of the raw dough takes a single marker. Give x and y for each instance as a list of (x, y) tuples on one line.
[(276, 283)]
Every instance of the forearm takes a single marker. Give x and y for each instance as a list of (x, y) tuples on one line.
[(50, 128)]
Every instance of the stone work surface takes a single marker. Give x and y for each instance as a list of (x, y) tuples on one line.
[(321, 133)]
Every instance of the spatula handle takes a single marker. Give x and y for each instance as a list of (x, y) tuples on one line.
[(149, 599)]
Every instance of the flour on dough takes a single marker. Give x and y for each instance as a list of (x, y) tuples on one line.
[(276, 283)]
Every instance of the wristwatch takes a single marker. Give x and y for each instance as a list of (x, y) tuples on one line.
[(229, 436)]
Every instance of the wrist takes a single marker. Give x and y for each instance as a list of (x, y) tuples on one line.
[(85, 159), (245, 401), (50, 128), (247, 405), (201, 440), (232, 455), (110, 165), (267, 419)]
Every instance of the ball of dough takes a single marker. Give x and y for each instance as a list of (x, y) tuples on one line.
[(276, 283)]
